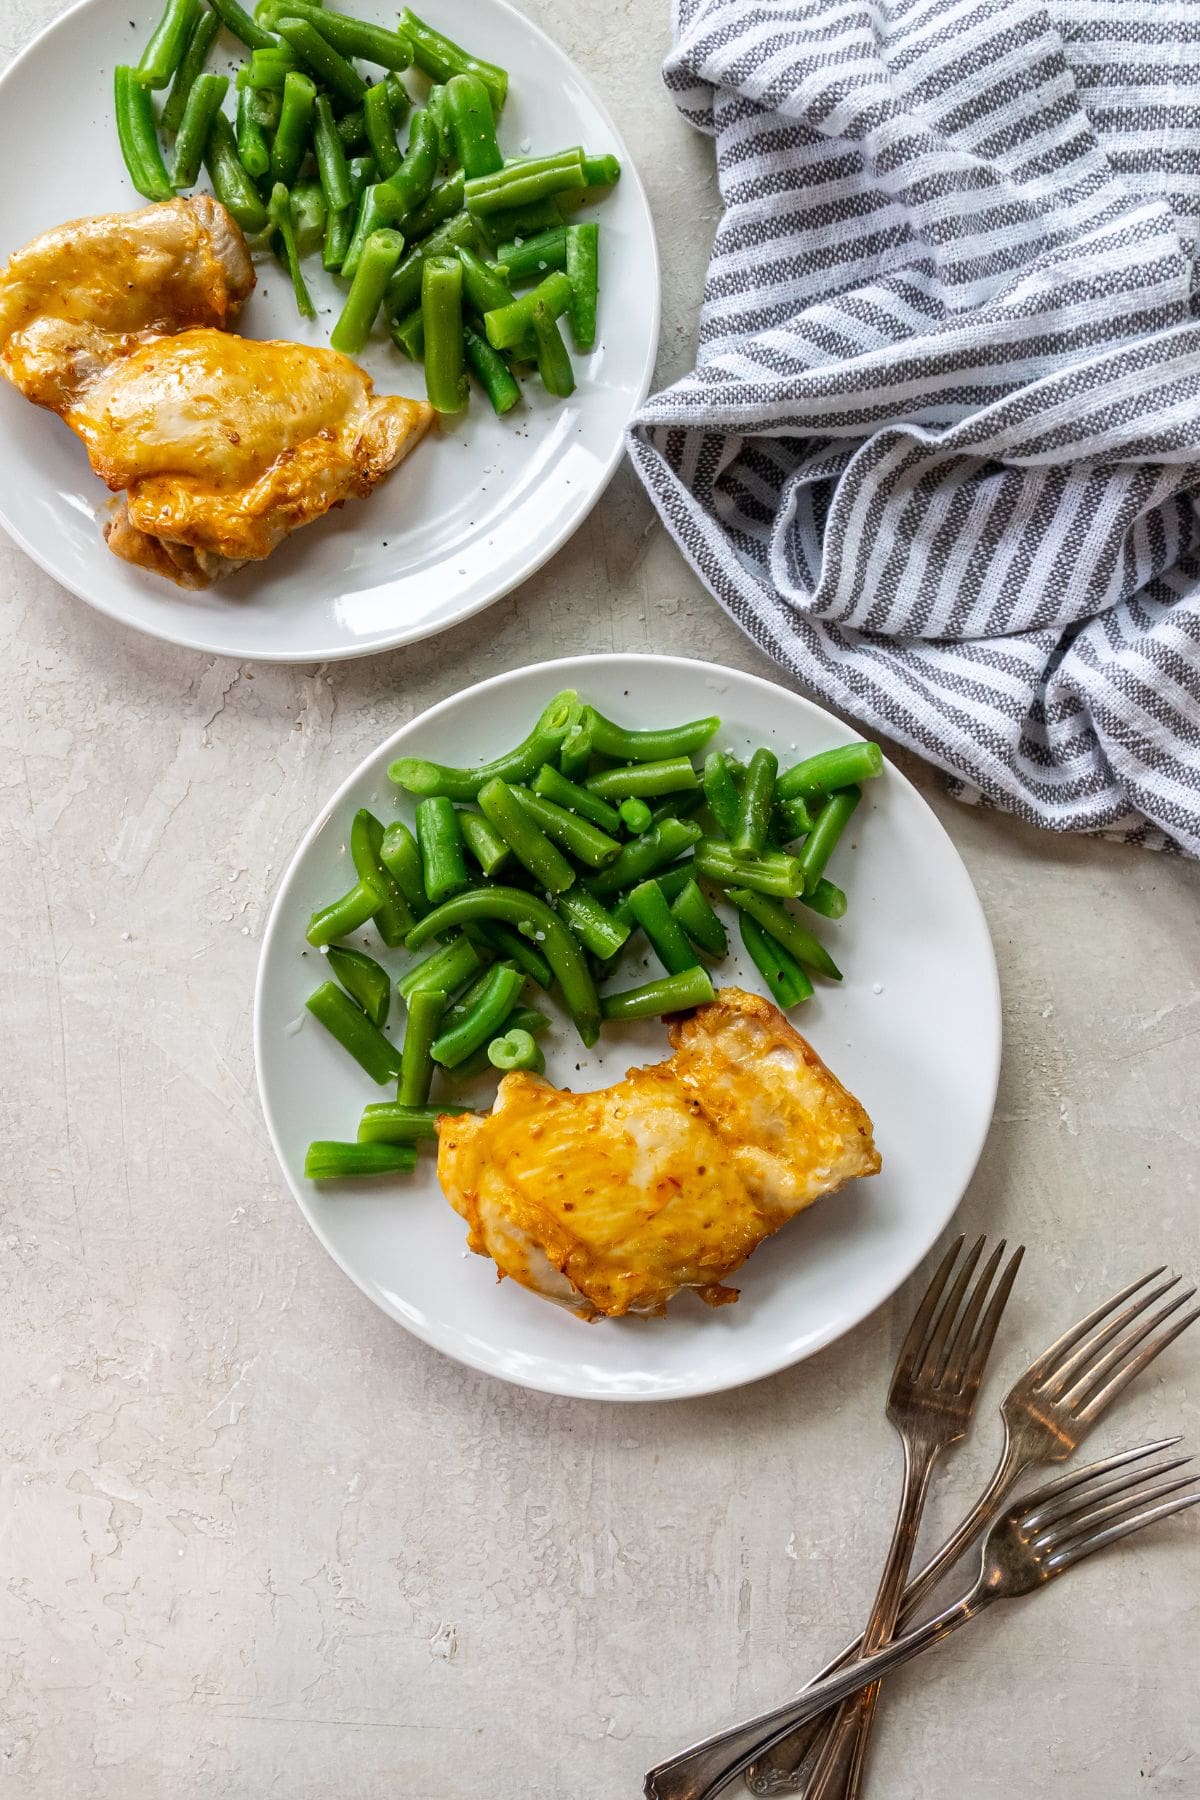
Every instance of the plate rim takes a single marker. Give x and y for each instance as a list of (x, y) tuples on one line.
[(923, 1242), (391, 640)]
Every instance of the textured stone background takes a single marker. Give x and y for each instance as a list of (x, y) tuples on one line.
[(253, 1538)]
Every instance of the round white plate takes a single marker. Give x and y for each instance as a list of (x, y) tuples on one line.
[(473, 513), (913, 1031)]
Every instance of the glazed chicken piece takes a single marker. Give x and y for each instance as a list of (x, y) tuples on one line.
[(612, 1202), (222, 445)]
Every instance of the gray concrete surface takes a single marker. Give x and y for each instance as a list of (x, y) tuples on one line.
[(253, 1538)]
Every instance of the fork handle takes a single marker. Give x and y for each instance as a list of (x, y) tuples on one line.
[(701, 1772)]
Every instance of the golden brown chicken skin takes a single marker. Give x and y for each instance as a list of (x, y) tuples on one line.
[(612, 1202)]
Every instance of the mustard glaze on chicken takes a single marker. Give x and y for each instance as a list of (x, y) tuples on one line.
[(612, 1202)]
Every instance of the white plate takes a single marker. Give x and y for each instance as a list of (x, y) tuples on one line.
[(914, 1031), (471, 515)]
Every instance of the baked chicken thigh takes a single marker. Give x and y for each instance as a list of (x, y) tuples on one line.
[(612, 1202)]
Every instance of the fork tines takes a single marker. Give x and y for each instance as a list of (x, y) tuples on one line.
[(1092, 1362), (948, 1342), (1080, 1513)]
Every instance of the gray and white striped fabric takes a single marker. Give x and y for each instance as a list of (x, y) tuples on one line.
[(941, 452)]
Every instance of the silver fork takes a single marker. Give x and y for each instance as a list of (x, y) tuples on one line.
[(1046, 1415), (1036, 1540)]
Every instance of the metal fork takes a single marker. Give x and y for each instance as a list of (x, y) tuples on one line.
[(1036, 1540), (1047, 1414)]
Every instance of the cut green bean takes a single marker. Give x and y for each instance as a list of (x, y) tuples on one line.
[(237, 20), (469, 109), (601, 171), (364, 980), (504, 808), (521, 1018), (516, 1050), (441, 203), (349, 1024), (529, 258), (670, 776), (441, 841), (636, 815), (421, 777), (138, 136), (522, 221), (376, 266), (582, 266), (392, 1122), (401, 857), (520, 183), (327, 65), (204, 102), (393, 916), (330, 153), (670, 993), (575, 752), (609, 739), (440, 58), (791, 819), (548, 784), (484, 842), (668, 939), (446, 970), (787, 981), (482, 1020), (425, 1008), (404, 290), (308, 215), (786, 930), (203, 36), (352, 129), (537, 921), (597, 929), (231, 184), (673, 880), (442, 323), (585, 841), (827, 829), (168, 44), (435, 104), (490, 371), (342, 916), (279, 211), (827, 899), (721, 793), (845, 766), (749, 836), (327, 1160), (679, 806), (400, 98), (699, 920), (408, 335), (645, 856), (510, 945), (295, 126), (772, 873), (352, 37), (381, 131), (484, 284), (508, 326), (553, 362), (267, 70), (257, 112)]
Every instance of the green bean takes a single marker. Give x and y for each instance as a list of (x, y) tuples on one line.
[(667, 937), (440, 58), (670, 993), (787, 981), (267, 70), (425, 1008), (845, 766), (393, 916), (307, 208), (508, 325), (441, 203), (669, 776), (349, 1024), (253, 121), (597, 929), (772, 873), (585, 841), (376, 266), (575, 752), (391, 1122), (138, 136), (279, 211), (536, 920), (518, 183), (484, 842), (679, 806), (548, 784), (352, 37), (601, 171), (330, 153), (791, 819), (364, 980), (521, 1018), (404, 289), (504, 807), (236, 19), (553, 362), (749, 836), (377, 211), (787, 930), (449, 968), (295, 123), (203, 36), (822, 840), (645, 856), (626, 745), (673, 880), (381, 132), (204, 102), (415, 177), (421, 777), (516, 1050), (699, 920), (469, 108), (484, 285), (522, 221), (491, 372), (483, 1019), (168, 44), (231, 184), (352, 129), (408, 335), (442, 323), (327, 1160), (328, 65), (401, 857), (721, 793), (636, 815), (440, 838), (527, 258), (827, 899), (400, 98), (510, 945), (342, 916), (582, 265), (435, 103)]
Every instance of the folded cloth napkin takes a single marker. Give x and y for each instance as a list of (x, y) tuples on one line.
[(940, 455)]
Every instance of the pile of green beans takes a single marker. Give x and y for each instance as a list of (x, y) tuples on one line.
[(546, 865), (433, 240)]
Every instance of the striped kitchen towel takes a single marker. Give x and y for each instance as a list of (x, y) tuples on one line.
[(940, 455)]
